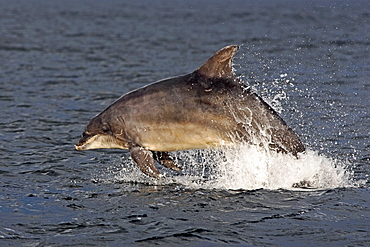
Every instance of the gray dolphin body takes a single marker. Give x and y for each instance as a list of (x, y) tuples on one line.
[(204, 109)]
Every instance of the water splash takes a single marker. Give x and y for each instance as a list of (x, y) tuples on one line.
[(246, 167)]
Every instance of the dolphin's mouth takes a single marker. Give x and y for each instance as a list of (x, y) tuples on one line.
[(99, 141), (83, 142)]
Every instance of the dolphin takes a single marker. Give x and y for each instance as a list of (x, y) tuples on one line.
[(205, 109)]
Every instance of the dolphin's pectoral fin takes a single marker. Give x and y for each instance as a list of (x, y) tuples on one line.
[(166, 160), (144, 160)]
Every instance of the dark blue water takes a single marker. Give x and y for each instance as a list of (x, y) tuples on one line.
[(62, 62)]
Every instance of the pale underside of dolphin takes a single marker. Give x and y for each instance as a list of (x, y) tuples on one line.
[(205, 109)]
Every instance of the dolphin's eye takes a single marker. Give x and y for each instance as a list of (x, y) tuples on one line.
[(105, 128)]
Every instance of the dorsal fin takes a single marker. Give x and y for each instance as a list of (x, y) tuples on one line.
[(219, 65)]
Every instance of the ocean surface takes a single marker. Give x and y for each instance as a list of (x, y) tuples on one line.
[(62, 62)]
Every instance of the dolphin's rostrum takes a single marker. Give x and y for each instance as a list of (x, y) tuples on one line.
[(207, 108)]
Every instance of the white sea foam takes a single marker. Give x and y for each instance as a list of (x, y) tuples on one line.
[(247, 167)]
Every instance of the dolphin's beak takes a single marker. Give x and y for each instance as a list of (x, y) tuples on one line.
[(79, 147), (99, 141), (81, 144)]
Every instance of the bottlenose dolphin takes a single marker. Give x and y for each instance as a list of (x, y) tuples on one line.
[(205, 109)]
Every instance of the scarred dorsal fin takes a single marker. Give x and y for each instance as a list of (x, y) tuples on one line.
[(219, 65)]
